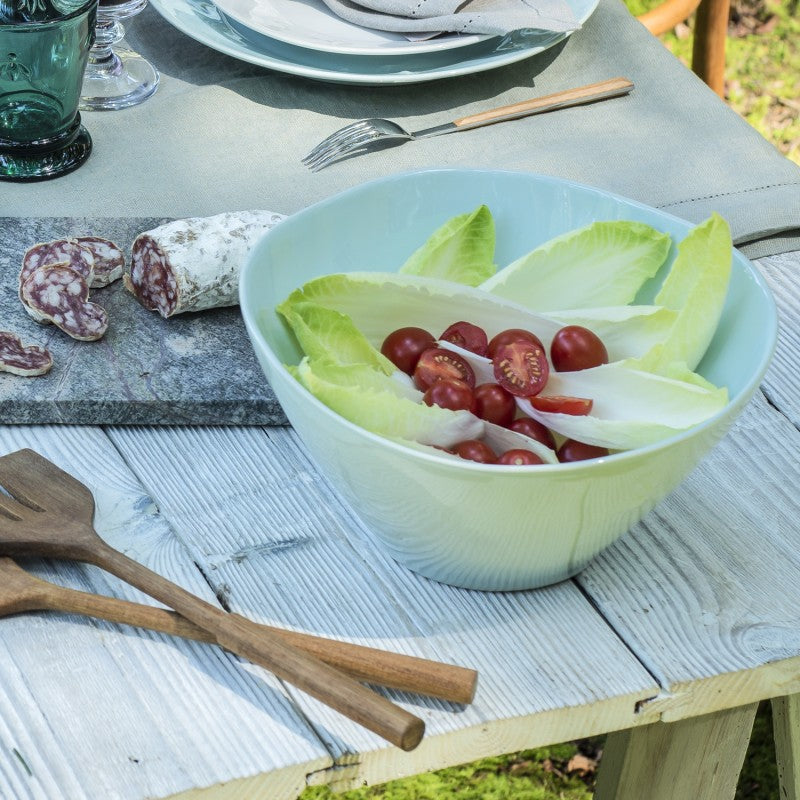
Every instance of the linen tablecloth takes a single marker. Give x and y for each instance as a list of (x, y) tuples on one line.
[(221, 134)]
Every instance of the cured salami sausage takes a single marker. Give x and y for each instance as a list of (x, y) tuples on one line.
[(108, 259), (194, 264), (69, 251), (18, 359), (56, 293)]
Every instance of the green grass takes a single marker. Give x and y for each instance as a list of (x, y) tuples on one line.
[(761, 85), (762, 64)]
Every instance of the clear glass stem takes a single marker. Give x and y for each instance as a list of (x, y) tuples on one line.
[(116, 78)]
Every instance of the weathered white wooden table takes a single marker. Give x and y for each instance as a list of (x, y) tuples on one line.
[(668, 640)]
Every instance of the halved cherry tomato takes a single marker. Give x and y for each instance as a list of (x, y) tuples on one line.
[(535, 429), (509, 337), (437, 363), (521, 368), (449, 393), (573, 450), (404, 346), (494, 404), (560, 404), (519, 457), (475, 450), (575, 347), (468, 336)]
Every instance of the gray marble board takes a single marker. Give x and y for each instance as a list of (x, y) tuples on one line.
[(192, 369)]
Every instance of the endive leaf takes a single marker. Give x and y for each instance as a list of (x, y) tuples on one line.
[(630, 408), (461, 250), (324, 333), (368, 398), (601, 264), (380, 302), (626, 331), (695, 287)]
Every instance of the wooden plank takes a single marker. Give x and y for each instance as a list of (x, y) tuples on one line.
[(786, 729), (782, 382), (94, 711), (697, 757), (704, 590), (279, 545)]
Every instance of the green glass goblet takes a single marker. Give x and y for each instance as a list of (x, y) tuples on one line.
[(44, 46)]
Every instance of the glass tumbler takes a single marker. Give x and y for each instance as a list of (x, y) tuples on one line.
[(44, 47)]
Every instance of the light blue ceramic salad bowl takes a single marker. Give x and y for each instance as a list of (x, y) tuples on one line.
[(473, 525)]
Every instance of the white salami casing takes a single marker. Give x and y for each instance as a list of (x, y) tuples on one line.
[(194, 264), (18, 359), (56, 293)]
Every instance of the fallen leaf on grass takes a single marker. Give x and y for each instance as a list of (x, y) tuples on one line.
[(581, 764)]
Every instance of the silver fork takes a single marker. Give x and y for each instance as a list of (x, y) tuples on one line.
[(358, 136)]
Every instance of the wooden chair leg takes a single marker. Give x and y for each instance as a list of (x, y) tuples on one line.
[(700, 757), (708, 45), (786, 727)]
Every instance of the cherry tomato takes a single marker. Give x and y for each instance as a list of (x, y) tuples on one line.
[(475, 450), (521, 368), (449, 393), (437, 363), (519, 457), (468, 336), (533, 428), (576, 347), (494, 404), (404, 346), (572, 450), (509, 337), (560, 404)]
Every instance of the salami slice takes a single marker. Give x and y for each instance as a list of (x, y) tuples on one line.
[(18, 359), (108, 258), (56, 293), (60, 251), (194, 264)]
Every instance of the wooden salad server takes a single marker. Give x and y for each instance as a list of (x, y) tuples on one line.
[(20, 591), (49, 513)]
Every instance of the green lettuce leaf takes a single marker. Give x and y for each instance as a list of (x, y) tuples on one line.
[(461, 250), (601, 264)]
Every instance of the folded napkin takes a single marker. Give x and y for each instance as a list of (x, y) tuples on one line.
[(495, 17)]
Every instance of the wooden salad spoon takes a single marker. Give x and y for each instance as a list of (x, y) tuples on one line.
[(49, 513), (20, 591)]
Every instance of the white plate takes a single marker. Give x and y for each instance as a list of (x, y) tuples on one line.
[(202, 21), (311, 24)]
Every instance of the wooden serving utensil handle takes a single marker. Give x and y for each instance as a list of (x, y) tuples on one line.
[(571, 97), (382, 667), (248, 639)]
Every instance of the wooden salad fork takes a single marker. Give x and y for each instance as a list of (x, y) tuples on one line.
[(20, 591), (49, 513)]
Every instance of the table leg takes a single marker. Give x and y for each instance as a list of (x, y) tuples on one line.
[(786, 727), (700, 757)]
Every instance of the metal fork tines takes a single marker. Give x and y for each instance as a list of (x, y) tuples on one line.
[(350, 138), (358, 136)]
